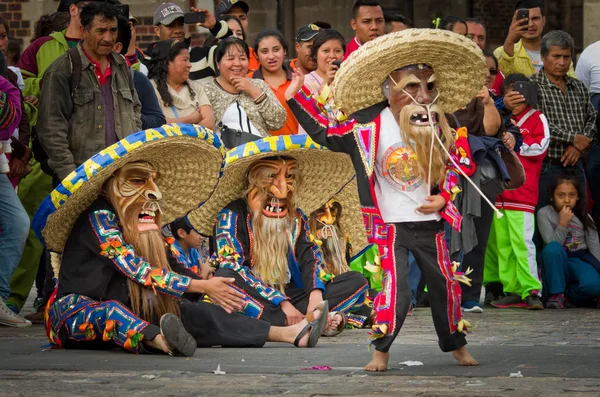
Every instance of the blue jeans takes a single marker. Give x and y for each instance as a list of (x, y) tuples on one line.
[(574, 276), (592, 170), (14, 226), (595, 99), (414, 278)]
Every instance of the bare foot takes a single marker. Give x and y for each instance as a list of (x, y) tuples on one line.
[(158, 343), (379, 362), (334, 322), (463, 357)]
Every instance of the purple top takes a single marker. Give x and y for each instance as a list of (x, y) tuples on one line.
[(12, 105)]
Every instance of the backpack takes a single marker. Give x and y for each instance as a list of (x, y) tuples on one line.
[(39, 153)]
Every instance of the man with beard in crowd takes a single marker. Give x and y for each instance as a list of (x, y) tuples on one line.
[(115, 285), (396, 91), (277, 266)]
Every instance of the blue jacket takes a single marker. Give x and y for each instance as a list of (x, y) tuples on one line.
[(152, 115)]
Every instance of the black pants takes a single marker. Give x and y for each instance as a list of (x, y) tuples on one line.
[(340, 293), (211, 325), (423, 239), (476, 258)]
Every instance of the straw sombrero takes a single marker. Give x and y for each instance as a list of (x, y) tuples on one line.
[(458, 64), (189, 160), (323, 174)]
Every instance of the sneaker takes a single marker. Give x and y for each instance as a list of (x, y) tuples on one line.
[(10, 319), (534, 303), (471, 307), (556, 302), (411, 309), (508, 301)]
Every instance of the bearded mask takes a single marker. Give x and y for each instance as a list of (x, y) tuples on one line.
[(413, 100), (134, 194), (272, 185), (325, 226)]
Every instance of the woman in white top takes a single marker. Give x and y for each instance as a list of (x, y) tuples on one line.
[(182, 100), (238, 102)]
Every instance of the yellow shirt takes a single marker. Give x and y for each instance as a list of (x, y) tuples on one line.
[(520, 62)]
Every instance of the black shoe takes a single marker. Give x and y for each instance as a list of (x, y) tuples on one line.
[(180, 341), (534, 303)]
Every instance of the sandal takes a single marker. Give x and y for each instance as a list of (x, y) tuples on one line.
[(316, 326), (340, 328), (178, 339)]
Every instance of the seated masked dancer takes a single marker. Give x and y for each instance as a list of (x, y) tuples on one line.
[(396, 90), (262, 235), (115, 286), (338, 229)]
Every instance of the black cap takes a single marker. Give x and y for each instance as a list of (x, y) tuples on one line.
[(307, 32), (226, 5)]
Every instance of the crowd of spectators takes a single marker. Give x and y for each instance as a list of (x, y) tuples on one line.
[(82, 84)]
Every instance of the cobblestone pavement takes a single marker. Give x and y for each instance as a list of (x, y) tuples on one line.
[(556, 352)]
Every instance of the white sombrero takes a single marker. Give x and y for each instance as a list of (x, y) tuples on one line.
[(458, 63)]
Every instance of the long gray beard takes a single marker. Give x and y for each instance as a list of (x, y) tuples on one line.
[(334, 252), (270, 249)]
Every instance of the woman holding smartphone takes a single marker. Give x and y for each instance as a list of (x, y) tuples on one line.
[(328, 52)]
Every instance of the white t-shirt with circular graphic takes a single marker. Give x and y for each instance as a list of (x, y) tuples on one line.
[(398, 186)]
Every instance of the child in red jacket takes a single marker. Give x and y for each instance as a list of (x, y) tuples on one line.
[(510, 256)]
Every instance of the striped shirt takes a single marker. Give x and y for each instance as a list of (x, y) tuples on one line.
[(569, 114)]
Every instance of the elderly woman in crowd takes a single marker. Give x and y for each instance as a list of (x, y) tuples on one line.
[(243, 105), (271, 49), (182, 100)]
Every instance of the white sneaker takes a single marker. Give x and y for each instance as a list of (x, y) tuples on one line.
[(10, 319)]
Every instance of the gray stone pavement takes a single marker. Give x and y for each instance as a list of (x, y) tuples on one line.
[(556, 352)]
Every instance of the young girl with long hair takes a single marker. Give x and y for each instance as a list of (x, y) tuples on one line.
[(572, 252)]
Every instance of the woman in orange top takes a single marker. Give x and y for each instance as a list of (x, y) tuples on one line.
[(271, 49)]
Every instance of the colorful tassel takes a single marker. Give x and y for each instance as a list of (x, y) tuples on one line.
[(379, 331), (133, 339), (112, 248), (463, 326), (109, 330), (88, 329)]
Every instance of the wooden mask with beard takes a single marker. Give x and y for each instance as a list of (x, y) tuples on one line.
[(413, 96), (135, 196), (325, 226), (272, 184)]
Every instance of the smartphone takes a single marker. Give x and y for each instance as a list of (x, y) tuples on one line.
[(337, 63), (528, 90), (123, 10), (194, 17), (523, 13)]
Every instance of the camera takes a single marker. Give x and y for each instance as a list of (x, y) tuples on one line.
[(194, 17)]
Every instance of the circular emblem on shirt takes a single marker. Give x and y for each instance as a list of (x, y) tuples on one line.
[(400, 168)]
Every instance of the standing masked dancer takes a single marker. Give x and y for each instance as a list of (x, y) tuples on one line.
[(262, 234), (115, 285), (396, 90)]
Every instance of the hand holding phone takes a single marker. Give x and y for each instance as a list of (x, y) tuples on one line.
[(194, 17), (528, 90), (523, 13)]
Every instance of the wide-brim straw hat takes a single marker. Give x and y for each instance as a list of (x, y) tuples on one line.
[(188, 158), (459, 66), (323, 173), (351, 222)]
